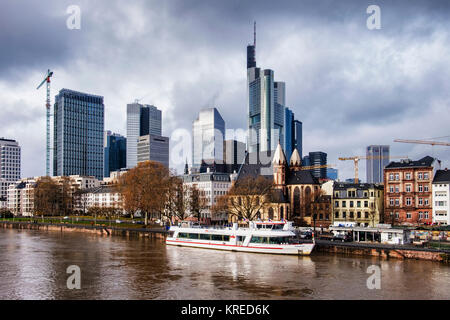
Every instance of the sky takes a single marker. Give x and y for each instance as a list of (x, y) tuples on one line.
[(350, 86)]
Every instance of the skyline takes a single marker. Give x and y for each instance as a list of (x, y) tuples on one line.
[(330, 69)]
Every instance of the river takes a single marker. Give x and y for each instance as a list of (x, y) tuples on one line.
[(34, 264)]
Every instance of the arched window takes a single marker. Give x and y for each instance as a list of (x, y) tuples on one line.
[(281, 213), (296, 202)]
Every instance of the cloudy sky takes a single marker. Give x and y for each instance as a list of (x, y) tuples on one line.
[(350, 86)]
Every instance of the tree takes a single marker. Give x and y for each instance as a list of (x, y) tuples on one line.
[(176, 202), (46, 196), (144, 188), (247, 198), (197, 201)]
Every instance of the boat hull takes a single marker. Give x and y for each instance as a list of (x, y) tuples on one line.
[(293, 249)]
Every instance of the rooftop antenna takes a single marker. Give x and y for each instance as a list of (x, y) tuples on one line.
[(254, 34)]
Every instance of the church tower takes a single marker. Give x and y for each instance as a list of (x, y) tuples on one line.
[(279, 169), (296, 162)]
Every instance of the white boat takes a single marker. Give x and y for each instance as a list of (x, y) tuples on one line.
[(259, 237)]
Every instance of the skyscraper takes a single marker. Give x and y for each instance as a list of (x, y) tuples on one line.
[(9, 165), (289, 134), (208, 132), (154, 148), (298, 136), (378, 158), (266, 107), (115, 152), (318, 158), (141, 120), (78, 134)]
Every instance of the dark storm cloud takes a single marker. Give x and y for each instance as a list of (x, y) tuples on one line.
[(350, 86)]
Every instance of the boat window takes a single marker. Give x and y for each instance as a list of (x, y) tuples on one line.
[(193, 235), (258, 239), (183, 235), (226, 238), (277, 227), (217, 237), (205, 236), (279, 240)]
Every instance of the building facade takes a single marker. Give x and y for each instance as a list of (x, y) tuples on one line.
[(211, 185), (10, 156), (153, 148), (318, 158), (361, 203), (408, 191), (100, 197), (208, 134), (115, 153), (78, 134), (441, 197), (141, 120), (233, 152), (377, 159)]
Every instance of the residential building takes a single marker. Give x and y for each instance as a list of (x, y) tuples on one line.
[(211, 185), (408, 191), (20, 200), (208, 133), (106, 196), (377, 159), (153, 148), (9, 166), (360, 203), (142, 120), (78, 134), (441, 197), (115, 152)]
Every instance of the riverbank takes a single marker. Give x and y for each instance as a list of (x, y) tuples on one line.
[(359, 249), (92, 229)]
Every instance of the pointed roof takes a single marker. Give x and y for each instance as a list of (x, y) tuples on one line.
[(279, 157), (295, 158)]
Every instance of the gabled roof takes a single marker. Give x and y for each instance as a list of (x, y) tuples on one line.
[(408, 163), (442, 176), (301, 177)]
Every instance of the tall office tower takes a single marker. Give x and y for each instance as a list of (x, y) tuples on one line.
[(318, 158), (298, 136), (115, 152), (233, 152), (141, 120), (375, 165), (208, 132), (306, 161), (78, 134), (266, 107), (9, 165), (154, 148), (289, 133)]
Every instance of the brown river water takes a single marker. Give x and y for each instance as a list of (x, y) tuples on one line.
[(34, 264)]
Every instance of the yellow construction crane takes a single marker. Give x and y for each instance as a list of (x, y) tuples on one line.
[(357, 158), (317, 167), (433, 143)]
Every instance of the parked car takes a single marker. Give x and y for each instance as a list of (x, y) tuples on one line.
[(342, 237)]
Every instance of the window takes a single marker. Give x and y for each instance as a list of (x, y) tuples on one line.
[(408, 201), (397, 202), (205, 236), (351, 215), (408, 215), (425, 188), (366, 215), (408, 188), (343, 204), (366, 204), (420, 188), (426, 215), (358, 215), (344, 215), (426, 201), (425, 175), (391, 176), (336, 204), (351, 204), (397, 176), (420, 201), (420, 214), (259, 239), (397, 189), (391, 188), (358, 204), (420, 175), (408, 176), (391, 202), (336, 214), (397, 215)]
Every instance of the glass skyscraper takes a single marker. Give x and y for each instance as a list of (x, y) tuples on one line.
[(378, 158), (115, 153), (318, 158), (9, 165), (142, 120), (298, 136), (153, 148), (208, 133), (78, 134)]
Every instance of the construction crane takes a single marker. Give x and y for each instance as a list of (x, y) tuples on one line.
[(433, 143), (357, 158), (47, 105), (317, 167)]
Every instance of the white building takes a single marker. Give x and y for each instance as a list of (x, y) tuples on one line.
[(9, 166), (211, 185), (103, 197), (441, 197)]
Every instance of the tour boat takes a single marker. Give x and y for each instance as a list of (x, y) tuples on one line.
[(259, 237)]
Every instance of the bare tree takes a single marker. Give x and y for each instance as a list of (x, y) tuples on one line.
[(197, 201)]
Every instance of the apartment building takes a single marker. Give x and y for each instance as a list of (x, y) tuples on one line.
[(408, 191), (441, 197)]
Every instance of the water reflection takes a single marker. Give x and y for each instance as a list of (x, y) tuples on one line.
[(34, 267)]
